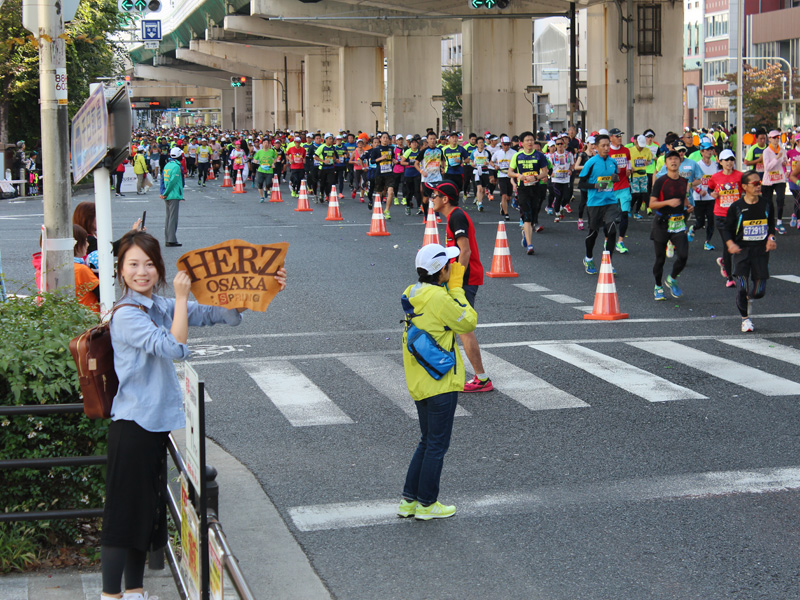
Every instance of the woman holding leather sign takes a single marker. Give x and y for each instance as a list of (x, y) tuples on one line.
[(436, 306)]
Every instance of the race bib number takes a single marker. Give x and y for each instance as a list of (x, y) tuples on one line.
[(640, 162), (237, 160), (297, 159), (728, 197), (386, 168), (776, 176), (754, 231), (704, 181), (561, 173), (454, 161), (605, 182), (676, 224), (203, 154), (480, 161), (760, 167), (328, 160), (504, 164), (529, 174)]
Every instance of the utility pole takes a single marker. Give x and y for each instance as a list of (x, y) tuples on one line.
[(45, 19)]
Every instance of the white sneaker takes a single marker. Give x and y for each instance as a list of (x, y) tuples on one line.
[(747, 325), (138, 596)]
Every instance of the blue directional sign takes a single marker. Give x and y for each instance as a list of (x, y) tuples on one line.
[(151, 31)]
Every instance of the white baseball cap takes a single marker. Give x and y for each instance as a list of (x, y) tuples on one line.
[(505, 139), (603, 132), (409, 137), (726, 154), (434, 257), (176, 152), (328, 134), (590, 140), (641, 140)]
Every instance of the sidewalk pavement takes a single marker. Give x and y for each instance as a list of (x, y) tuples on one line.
[(271, 559)]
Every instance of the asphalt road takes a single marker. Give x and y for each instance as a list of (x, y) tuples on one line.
[(655, 457)]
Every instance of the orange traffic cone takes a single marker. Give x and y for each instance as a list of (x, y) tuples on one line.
[(226, 180), (431, 231), (606, 304), (211, 176), (378, 224), (302, 201), (334, 214), (501, 260), (275, 194), (239, 187)]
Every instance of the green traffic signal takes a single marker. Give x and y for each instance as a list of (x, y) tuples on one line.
[(126, 5), (140, 4)]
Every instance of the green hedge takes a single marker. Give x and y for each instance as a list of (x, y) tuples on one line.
[(36, 367)]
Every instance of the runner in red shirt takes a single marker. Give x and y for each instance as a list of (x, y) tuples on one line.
[(622, 188), (726, 188), (296, 156), (461, 233)]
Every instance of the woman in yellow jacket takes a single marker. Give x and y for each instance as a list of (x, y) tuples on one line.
[(140, 169), (437, 306)]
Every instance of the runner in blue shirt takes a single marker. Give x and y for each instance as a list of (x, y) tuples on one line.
[(601, 172)]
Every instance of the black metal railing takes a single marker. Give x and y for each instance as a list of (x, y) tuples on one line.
[(156, 559)]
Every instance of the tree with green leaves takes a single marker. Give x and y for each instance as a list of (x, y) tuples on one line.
[(451, 90), (91, 53), (762, 92)]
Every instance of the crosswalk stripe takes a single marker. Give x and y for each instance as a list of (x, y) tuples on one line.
[(295, 395), (587, 308), (688, 486), (526, 388), (387, 376), (631, 379), (14, 588), (532, 287), (766, 348), (789, 278), (722, 368), (562, 298)]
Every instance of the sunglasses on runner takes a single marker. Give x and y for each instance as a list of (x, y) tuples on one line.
[(753, 182)]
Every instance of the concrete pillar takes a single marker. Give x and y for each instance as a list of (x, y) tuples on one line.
[(321, 90), (264, 104), (657, 81), (497, 57), (413, 79), (239, 99), (360, 84), (293, 83)]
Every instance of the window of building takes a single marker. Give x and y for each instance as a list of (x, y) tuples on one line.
[(717, 25), (649, 30), (714, 69)]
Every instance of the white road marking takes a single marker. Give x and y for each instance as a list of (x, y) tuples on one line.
[(346, 225), (526, 388), (722, 368), (631, 379), (548, 324), (13, 587), (789, 278), (587, 309), (562, 298), (691, 486), (531, 287), (766, 348), (22, 216), (295, 395), (388, 377), (322, 355)]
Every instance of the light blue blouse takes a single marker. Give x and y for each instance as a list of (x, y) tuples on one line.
[(144, 348)]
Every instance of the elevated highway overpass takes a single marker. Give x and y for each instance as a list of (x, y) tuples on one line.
[(320, 65)]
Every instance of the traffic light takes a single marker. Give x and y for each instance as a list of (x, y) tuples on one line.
[(138, 6), (189, 101), (238, 81)]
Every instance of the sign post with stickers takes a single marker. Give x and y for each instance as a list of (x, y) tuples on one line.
[(194, 407)]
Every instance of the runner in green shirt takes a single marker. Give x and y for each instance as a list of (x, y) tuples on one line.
[(264, 158)]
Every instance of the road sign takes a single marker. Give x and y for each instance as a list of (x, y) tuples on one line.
[(151, 45), (151, 30), (89, 135)]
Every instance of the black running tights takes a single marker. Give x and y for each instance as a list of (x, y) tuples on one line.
[(115, 561)]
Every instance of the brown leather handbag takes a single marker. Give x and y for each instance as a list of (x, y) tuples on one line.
[(94, 357)]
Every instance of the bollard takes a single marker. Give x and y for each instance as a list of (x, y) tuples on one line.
[(22, 188), (155, 559), (212, 490)]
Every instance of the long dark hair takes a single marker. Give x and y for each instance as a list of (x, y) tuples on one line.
[(150, 246)]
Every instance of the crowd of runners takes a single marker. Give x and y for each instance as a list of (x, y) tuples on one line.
[(687, 184)]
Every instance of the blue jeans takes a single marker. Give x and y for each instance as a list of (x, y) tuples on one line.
[(436, 423)]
